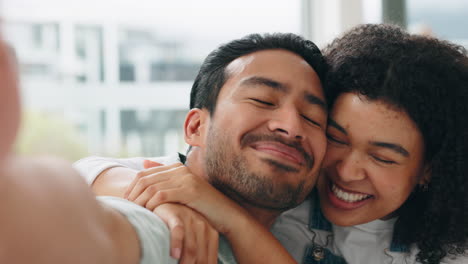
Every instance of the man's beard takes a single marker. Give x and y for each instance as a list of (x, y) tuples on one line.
[(230, 174)]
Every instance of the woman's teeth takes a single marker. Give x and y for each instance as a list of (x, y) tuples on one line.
[(348, 197)]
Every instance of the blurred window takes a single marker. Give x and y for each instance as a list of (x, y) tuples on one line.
[(113, 77), (36, 47), (446, 19), (89, 53)]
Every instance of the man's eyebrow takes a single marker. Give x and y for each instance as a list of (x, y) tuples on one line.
[(312, 99), (395, 147), (256, 80), (334, 124)]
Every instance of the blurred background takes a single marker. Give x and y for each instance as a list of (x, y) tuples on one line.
[(112, 77)]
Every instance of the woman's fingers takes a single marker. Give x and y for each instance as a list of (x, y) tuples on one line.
[(176, 226), (189, 248), (193, 239), (153, 190), (212, 246), (143, 180), (166, 196), (147, 172), (147, 164), (201, 239)]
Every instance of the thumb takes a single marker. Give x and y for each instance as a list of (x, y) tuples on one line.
[(151, 164)]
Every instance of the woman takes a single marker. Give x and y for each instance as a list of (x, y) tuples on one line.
[(397, 148), (395, 173)]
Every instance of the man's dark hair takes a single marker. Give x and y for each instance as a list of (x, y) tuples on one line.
[(426, 78), (213, 75)]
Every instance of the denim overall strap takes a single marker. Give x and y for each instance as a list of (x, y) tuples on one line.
[(319, 254), (326, 256), (316, 219), (397, 246)]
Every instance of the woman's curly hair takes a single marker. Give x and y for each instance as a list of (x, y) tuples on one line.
[(428, 79)]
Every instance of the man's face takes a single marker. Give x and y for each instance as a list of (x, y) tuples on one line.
[(266, 138)]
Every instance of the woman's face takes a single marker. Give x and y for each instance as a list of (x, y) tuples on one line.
[(373, 162)]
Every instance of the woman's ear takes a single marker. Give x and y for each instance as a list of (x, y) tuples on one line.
[(426, 175), (196, 127)]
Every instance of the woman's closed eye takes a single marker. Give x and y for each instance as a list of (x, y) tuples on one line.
[(335, 140), (381, 160)]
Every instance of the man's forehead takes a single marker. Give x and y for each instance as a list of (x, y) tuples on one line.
[(263, 58), (238, 65), (274, 68)]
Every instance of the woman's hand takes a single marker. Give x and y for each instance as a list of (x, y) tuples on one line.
[(193, 239), (251, 241), (176, 184)]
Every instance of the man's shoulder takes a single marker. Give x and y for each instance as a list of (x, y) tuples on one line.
[(152, 232), (136, 214)]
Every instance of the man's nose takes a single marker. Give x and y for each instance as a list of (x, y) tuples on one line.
[(288, 123)]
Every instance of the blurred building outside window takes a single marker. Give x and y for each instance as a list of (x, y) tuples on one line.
[(113, 77), (443, 19)]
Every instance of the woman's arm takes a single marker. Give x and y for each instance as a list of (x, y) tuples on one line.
[(111, 177), (251, 242)]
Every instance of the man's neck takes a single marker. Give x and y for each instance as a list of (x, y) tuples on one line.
[(264, 216)]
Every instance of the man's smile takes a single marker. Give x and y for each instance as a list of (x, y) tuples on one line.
[(280, 151)]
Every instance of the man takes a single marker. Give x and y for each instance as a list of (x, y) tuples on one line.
[(256, 127), (49, 215)]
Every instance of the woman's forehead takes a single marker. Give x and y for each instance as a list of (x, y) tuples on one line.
[(374, 119)]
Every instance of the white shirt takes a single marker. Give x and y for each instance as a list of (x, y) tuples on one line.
[(152, 231), (367, 243)]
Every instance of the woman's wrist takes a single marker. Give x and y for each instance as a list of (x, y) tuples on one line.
[(239, 223)]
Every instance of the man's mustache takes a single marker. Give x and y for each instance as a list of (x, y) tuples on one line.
[(252, 138)]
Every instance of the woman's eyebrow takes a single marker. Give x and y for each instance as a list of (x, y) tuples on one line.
[(392, 146)]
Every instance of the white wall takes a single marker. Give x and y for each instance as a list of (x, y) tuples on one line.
[(324, 20)]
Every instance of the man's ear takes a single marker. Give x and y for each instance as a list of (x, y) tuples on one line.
[(196, 127)]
